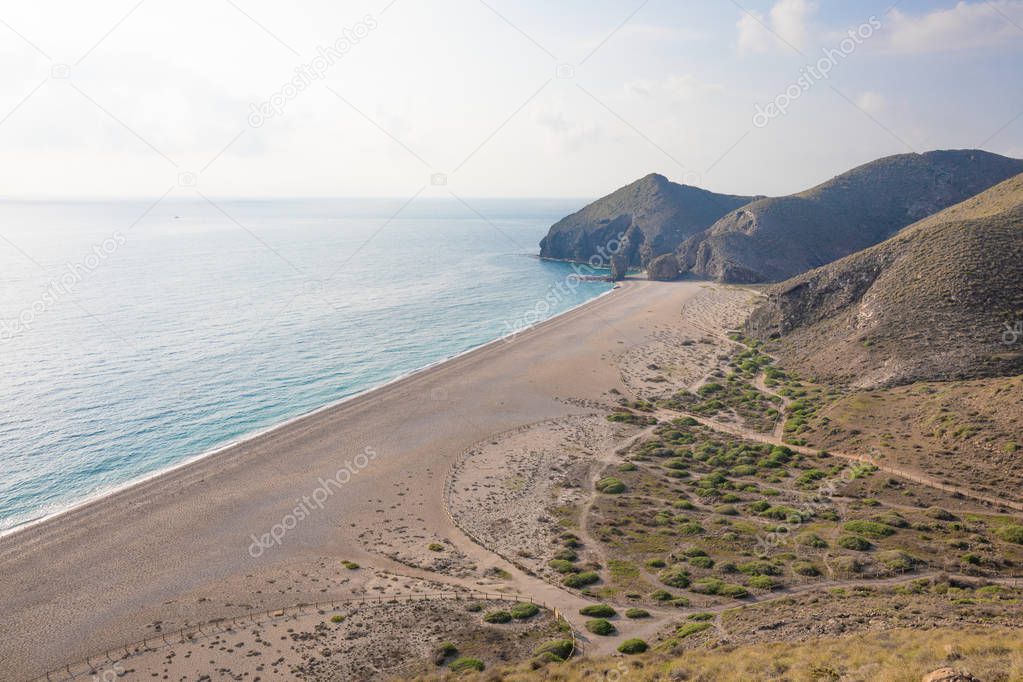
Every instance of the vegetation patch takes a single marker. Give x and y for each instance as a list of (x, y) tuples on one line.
[(633, 646), (600, 626), (524, 610), (598, 611)]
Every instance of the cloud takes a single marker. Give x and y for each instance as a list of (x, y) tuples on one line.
[(674, 87), (870, 102), (787, 22), (963, 27)]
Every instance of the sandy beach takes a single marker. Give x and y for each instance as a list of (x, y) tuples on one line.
[(251, 528)]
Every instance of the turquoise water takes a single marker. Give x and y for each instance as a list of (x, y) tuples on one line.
[(131, 343)]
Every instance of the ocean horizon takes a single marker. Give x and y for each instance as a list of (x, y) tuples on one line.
[(191, 325)]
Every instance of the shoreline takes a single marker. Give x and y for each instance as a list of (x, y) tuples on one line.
[(175, 549), (258, 433)]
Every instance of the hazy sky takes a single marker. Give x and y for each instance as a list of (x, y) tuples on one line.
[(121, 98)]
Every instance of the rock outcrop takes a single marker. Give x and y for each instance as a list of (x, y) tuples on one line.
[(663, 268), (653, 214)]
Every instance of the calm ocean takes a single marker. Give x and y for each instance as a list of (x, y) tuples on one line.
[(132, 341)]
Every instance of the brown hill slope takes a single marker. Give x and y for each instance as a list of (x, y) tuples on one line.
[(776, 238), (932, 302), (654, 213)]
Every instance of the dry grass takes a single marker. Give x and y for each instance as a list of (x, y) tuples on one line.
[(992, 654)]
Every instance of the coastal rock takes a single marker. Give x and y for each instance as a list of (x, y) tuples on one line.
[(653, 214), (619, 267), (663, 268)]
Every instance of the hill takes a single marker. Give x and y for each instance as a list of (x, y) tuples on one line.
[(932, 302), (773, 239), (655, 215)]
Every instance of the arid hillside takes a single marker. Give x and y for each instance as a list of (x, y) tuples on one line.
[(938, 301)]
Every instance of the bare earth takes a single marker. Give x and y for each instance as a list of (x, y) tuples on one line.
[(175, 551)]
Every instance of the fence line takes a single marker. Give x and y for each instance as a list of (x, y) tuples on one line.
[(218, 626)]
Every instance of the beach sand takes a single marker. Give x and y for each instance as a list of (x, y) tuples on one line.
[(175, 550)]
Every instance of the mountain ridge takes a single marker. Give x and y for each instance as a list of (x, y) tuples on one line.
[(774, 238)]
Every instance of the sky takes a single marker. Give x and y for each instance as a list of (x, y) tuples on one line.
[(491, 98)]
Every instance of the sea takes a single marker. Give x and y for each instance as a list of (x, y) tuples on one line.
[(137, 335)]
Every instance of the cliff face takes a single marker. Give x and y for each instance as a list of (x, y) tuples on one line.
[(775, 238), (933, 302), (649, 217)]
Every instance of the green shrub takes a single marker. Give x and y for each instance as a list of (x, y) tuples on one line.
[(637, 613), (598, 611), (656, 563), (350, 565), (759, 568), (970, 558), (562, 648), (524, 610), (562, 566), (474, 607), (498, 617), (872, 529), (580, 579), (627, 466), (701, 616), (661, 595), (444, 652), (805, 568), (691, 629), (675, 576), (600, 626), (719, 587), (337, 618), (854, 542), (1011, 533), (783, 513), (680, 603), (632, 646), (892, 519), (812, 540), (762, 582), (435, 547), (726, 510), (466, 664), (690, 528), (896, 560), (566, 555), (610, 485), (940, 514), (702, 562)]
